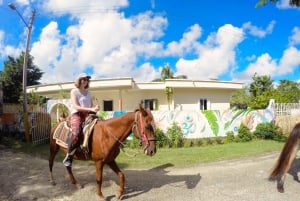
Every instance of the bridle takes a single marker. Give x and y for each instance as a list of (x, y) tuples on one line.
[(140, 121)]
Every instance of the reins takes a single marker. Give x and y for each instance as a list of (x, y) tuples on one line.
[(138, 121)]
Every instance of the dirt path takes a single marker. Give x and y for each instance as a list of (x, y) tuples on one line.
[(24, 178)]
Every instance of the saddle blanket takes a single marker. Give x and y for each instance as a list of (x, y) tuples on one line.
[(63, 133)]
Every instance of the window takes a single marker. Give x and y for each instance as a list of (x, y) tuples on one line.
[(149, 103), (203, 104), (107, 105)]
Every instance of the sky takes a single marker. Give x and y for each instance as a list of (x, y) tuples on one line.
[(203, 40)]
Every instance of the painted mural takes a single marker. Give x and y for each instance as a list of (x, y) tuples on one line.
[(212, 123), (199, 124)]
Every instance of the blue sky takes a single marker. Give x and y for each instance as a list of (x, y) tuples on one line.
[(119, 38)]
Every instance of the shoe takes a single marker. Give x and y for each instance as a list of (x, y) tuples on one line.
[(68, 160)]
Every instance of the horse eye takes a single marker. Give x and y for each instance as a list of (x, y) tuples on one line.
[(149, 127)]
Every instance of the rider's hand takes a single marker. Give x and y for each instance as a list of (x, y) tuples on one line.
[(96, 108)]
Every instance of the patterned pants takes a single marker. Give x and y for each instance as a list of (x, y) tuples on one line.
[(76, 125)]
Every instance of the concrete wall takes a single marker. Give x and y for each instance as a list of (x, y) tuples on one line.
[(201, 123)]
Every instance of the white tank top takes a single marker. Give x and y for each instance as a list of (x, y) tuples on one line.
[(83, 100)]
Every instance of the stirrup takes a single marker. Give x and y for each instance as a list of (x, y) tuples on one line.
[(68, 160)]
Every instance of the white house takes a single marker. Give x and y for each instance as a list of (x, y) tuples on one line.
[(113, 94)]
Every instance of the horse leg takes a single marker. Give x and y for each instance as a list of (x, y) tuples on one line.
[(113, 165), (280, 183), (54, 148), (73, 180), (99, 170)]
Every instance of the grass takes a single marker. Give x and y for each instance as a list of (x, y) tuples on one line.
[(177, 157), (192, 156)]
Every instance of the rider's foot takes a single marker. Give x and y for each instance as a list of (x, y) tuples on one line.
[(68, 160)]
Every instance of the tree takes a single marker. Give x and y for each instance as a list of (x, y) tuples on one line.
[(12, 77), (288, 92), (261, 90), (260, 85), (240, 99), (264, 2), (167, 73)]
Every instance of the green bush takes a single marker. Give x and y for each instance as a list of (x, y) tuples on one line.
[(219, 140), (209, 141), (269, 131), (199, 142), (175, 135), (244, 134), (134, 143), (229, 137), (161, 138)]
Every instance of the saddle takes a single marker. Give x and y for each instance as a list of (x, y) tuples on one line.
[(63, 133)]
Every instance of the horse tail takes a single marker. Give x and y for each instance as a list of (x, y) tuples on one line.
[(287, 154)]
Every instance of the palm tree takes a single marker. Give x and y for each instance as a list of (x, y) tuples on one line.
[(167, 73), (264, 2)]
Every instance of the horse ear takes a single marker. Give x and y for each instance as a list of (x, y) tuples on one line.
[(140, 106), (142, 110)]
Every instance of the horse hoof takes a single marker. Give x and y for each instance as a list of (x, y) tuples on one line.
[(79, 186), (280, 190), (53, 183), (102, 199), (119, 196)]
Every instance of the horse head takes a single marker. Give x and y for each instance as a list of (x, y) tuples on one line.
[(144, 130)]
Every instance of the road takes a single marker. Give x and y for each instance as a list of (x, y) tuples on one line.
[(24, 178)]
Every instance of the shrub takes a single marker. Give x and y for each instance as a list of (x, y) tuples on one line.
[(134, 143), (199, 142), (161, 138), (244, 134), (175, 135), (209, 141), (189, 143), (219, 140), (229, 137), (268, 131)]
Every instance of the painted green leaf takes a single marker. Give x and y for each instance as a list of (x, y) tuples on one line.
[(212, 121)]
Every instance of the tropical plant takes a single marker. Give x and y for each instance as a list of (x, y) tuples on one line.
[(264, 2), (167, 73), (175, 135)]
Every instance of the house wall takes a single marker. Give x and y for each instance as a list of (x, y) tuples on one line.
[(130, 98), (201, 123), (183, 99), (189, 99)]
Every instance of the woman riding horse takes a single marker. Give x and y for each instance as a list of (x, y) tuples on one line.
[(105, 142)]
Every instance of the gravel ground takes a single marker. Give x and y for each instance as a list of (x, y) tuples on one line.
[(24, 178)]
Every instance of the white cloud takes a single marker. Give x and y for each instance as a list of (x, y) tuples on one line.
[(295, 38), (215, 56), (266, 65), (259, 32), (8, 49), (289, 61), (22, 2), (186, 44), (106, 43), (283, 4), (100, 39)]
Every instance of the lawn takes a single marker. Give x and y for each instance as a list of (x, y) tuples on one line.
[(177, 157)]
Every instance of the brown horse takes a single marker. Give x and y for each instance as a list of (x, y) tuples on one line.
[(105, 142), (286, 157)]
